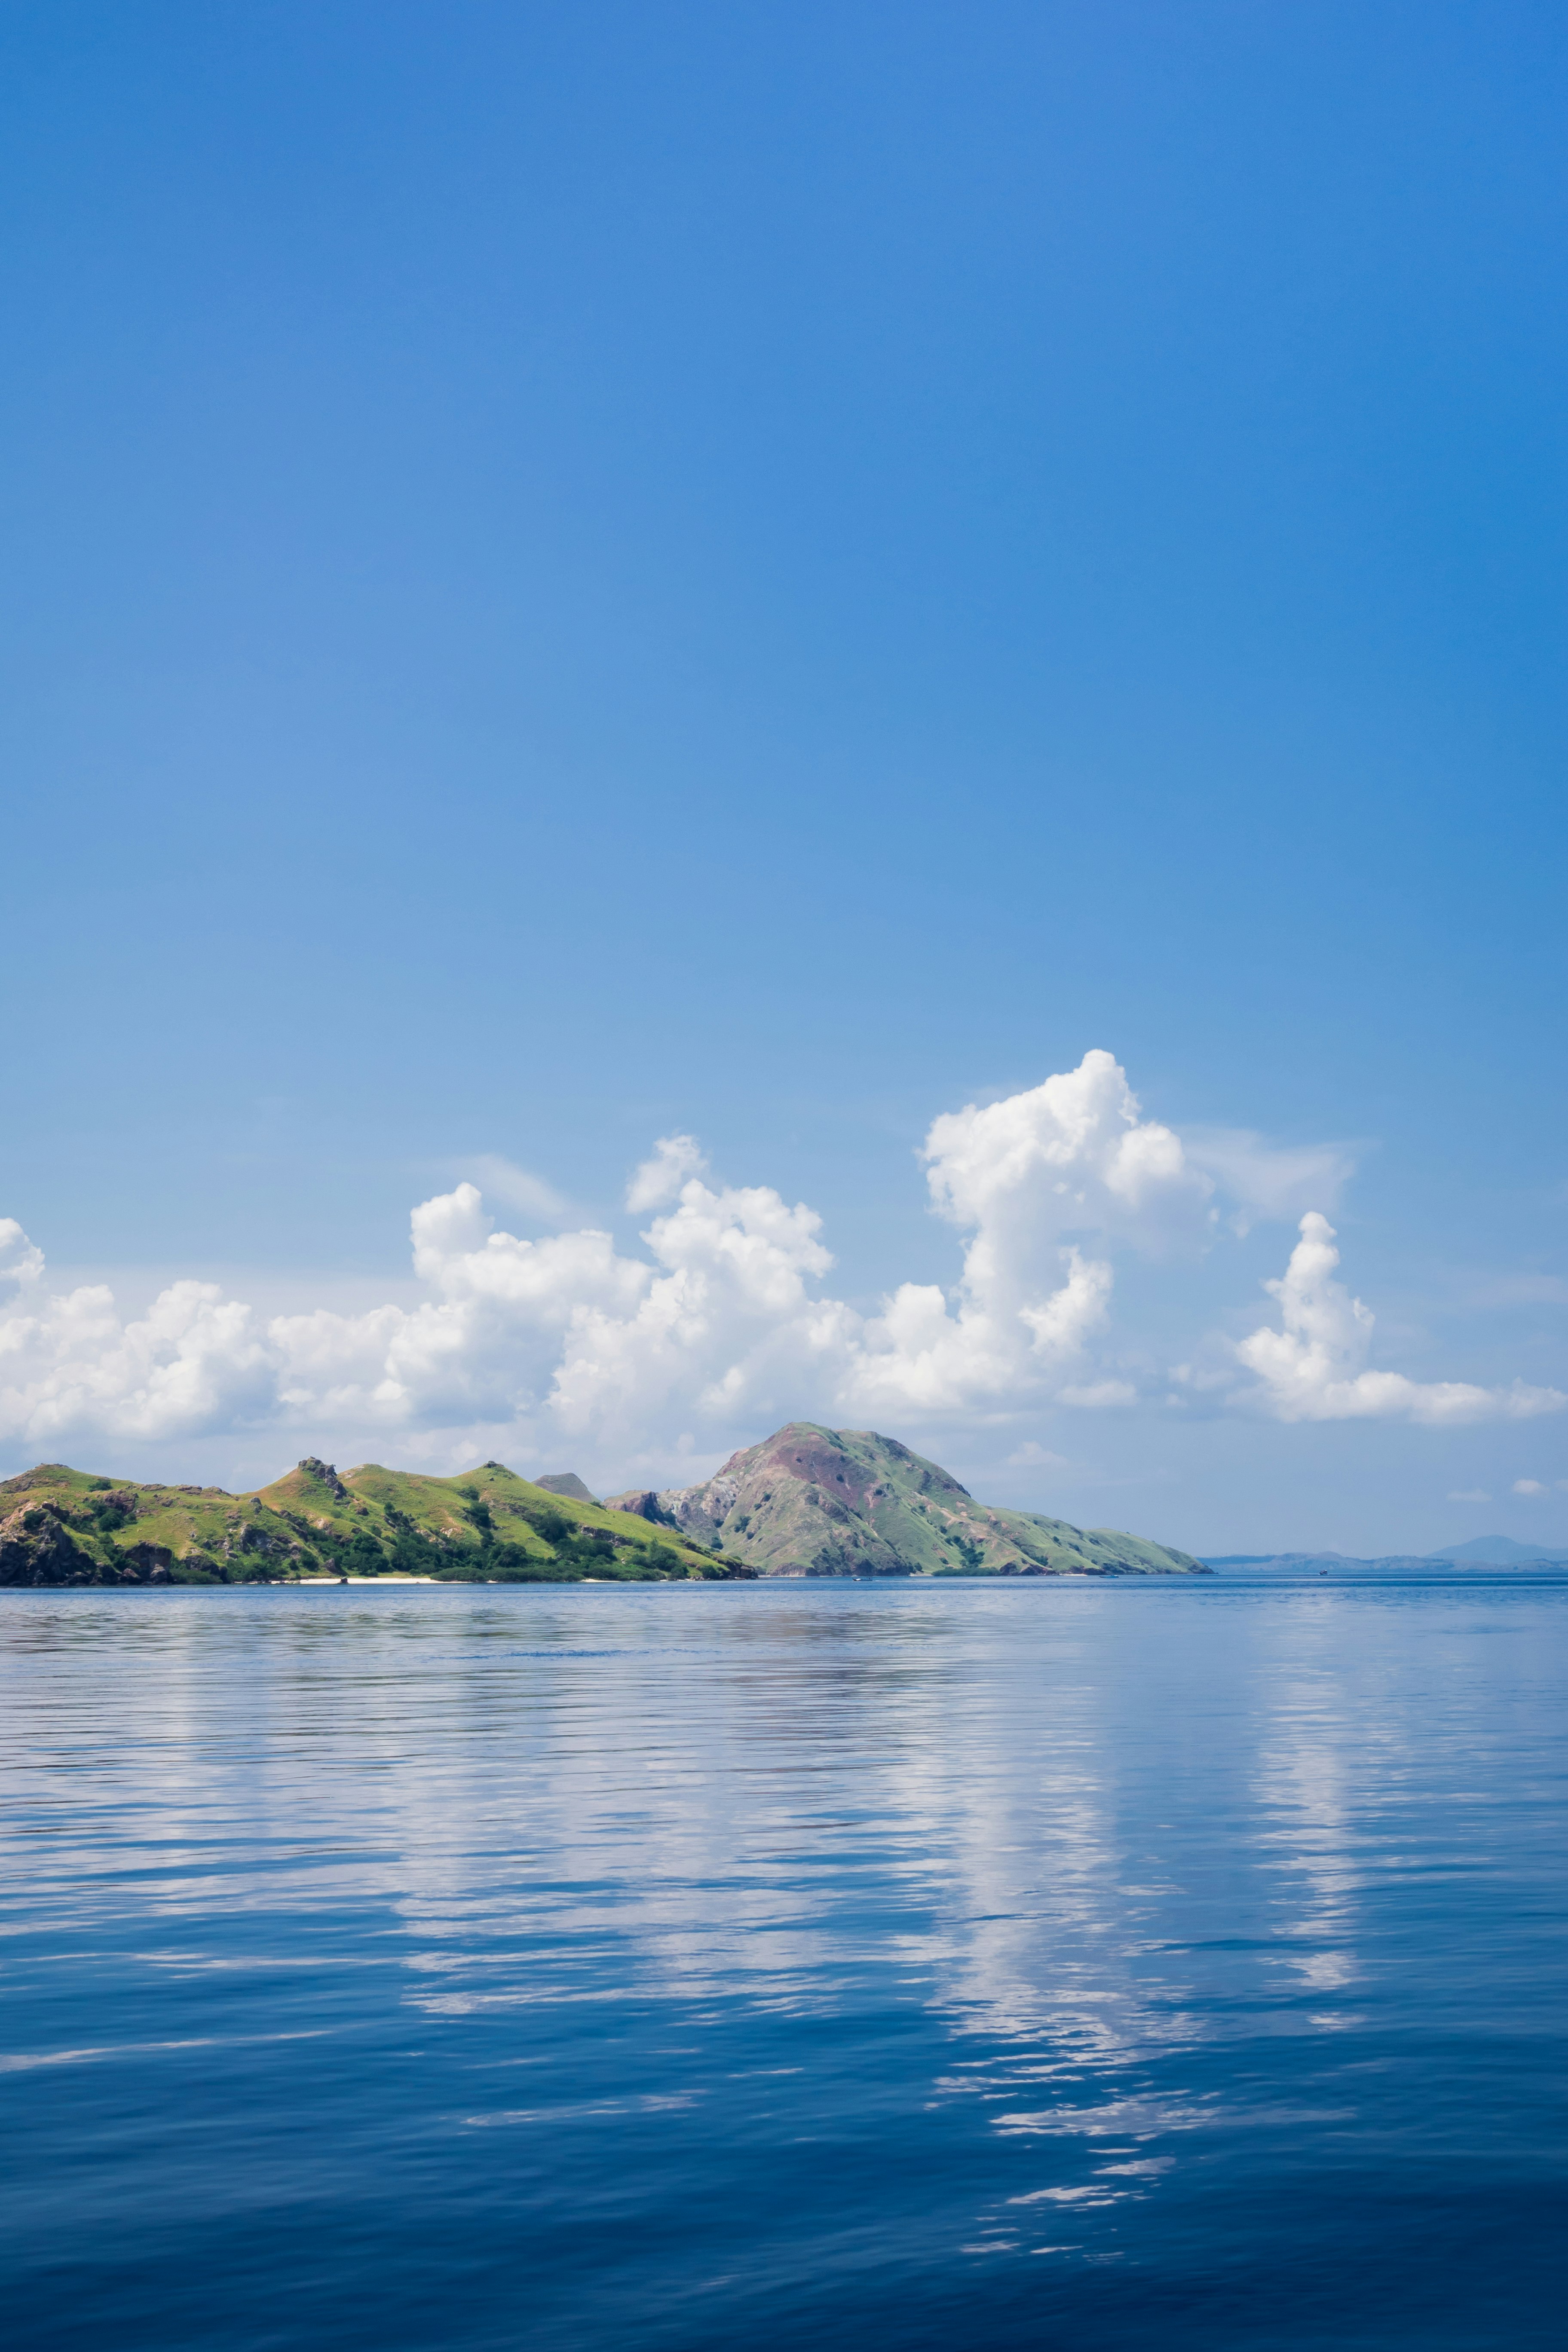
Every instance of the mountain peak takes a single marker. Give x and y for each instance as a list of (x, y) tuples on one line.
[(814, 1501), (565, 1481)]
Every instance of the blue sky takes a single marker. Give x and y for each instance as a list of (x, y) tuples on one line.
[(581, 574)]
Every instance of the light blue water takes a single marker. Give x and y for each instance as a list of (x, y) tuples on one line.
[(761, 1967)]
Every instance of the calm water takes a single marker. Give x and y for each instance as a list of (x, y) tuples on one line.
[(783, 1966)]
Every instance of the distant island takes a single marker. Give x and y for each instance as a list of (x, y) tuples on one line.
[(809, 1501), (1477, 1551)]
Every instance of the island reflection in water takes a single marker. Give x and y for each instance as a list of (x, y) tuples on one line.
[(785, 1965)]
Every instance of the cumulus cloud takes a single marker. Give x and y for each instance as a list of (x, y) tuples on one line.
[(1316, 1368), (1530, 1487), (722, 1318), (1070, 1156), (659, 1179), (720, 1321), (1035, 1178), (195, 1363), (21, 1260)]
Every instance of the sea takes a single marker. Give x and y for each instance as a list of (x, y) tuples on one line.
[(757, 1966)]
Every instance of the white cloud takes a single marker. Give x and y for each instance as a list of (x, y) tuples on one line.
[(1071, 1156), (21, 1260), (659, 1179), (195, 1363), (721, 1323), (1469, 1494), (1530, 1486), (1316, 1367)]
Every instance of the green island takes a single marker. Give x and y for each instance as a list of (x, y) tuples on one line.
[(60, 1526), (809, 1501)]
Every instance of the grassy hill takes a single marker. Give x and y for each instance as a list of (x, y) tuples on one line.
[(811, 1501), (60, 1526)]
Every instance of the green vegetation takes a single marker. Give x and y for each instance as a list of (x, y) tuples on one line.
[(811, 1501), (60, 1526)]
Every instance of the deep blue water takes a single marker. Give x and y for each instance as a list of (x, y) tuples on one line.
[(1059, 1965)]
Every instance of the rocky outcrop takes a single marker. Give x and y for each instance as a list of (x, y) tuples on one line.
[(643, 1504), (147, 1563), (700, 1512), (37, 1548), (326, 1474), (249, 1537)]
